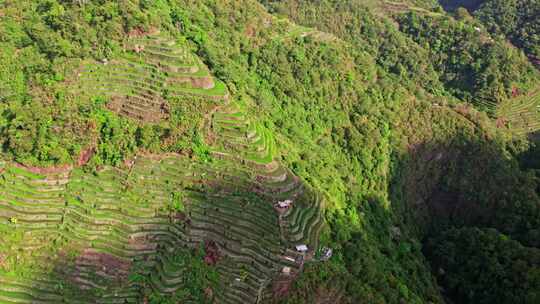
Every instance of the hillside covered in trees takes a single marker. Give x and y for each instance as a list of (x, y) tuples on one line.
[(272, 151)]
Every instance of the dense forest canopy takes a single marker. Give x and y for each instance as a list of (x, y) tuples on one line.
[(517, 20), (406, 129), (455, 4)]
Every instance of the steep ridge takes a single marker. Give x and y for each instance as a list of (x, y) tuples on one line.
[(90, 233), (233, 136)]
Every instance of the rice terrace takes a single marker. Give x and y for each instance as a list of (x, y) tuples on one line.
[(129, 220), (269, 151)]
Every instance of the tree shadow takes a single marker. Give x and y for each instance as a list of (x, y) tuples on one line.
[(450, 5), (108, 250), (465, 182)]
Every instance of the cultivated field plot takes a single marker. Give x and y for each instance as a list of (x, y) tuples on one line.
[(522, 115), (152, 69), (78, 237)]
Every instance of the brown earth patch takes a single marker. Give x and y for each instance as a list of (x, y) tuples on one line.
[(178, 217), (104, 263), (85, 156), (328, 296), (202, 82), (515, 92), (196, 82), (115, 104), (212, 253), (281, 286), (141, 32), (208, 293), (129, 163), (250, 31), (3, 261), (463, 109), (501, 122), (45, 170)]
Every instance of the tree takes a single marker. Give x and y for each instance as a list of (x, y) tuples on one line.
[(483, 266)]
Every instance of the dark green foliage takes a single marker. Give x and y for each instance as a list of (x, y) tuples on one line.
[(328, 137), (197, 279), (518, 20), (374, 264), (338, 124), (483, 266), (43, 122), (474, 67), (359, 111), (355, 22), (438, 54), (117, 136), (454, 191), (454, 4), (531, 158)]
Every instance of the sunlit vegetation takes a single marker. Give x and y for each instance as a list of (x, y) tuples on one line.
[(146, 147)]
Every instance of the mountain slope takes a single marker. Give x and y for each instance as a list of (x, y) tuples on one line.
[(146, 144)]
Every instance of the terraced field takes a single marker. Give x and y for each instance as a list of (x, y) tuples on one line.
[(522, 115), (122, 217), (151, 70), (79, 237)]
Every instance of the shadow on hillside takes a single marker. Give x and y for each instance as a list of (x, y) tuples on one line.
[(115, 266), (471, 5), (464, 182), (460, 182), (86, 275), (535, 137), (93, 275)]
